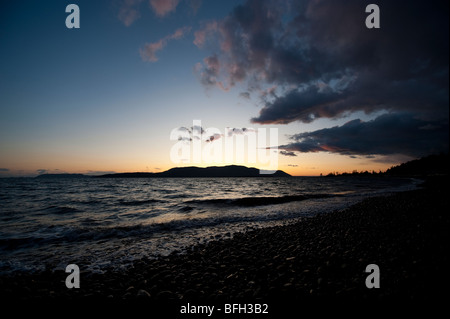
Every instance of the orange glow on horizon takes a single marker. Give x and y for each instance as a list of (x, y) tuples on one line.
[(305, 164)]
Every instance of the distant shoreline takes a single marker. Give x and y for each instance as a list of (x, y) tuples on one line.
[(212, 171)]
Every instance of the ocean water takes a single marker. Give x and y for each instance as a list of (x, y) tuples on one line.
[(108, 223)]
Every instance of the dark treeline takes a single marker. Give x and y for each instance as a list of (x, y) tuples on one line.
[(425, 166)]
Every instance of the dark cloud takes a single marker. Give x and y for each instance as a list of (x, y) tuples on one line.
[(187, 134), (230, 132), (293, 165), (197, 129), (240, 131), (395, 133), (186, 131), (213, 137), (210, 73), (4, 169), (286, 109), (287, 153), (183, 129), (245, 95), (325, 63)]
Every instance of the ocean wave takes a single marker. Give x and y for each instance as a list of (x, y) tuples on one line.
[(259, 201), (178, 195), (185, 209), (83, 234), (55, 209), (139, 202)]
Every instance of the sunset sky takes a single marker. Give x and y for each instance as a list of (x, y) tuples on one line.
[(106, 97)]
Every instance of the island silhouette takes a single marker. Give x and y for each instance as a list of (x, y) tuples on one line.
[(191, 171), (212, 171)]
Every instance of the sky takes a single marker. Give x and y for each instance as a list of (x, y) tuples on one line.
[(146, 85)]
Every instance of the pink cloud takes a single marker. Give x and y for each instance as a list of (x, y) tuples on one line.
[(201, 36), (150, 49), (148, 53), (128, 12), (195, 5), (179, 33), (163, 7)]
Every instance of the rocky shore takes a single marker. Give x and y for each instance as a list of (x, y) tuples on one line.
[(318, 258)]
